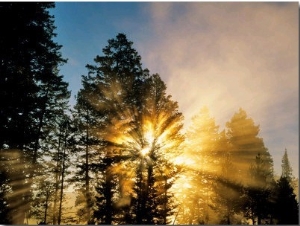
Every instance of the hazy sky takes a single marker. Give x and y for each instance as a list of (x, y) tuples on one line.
[(220, 55)]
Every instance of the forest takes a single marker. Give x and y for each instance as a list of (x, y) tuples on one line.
[(121, 150)]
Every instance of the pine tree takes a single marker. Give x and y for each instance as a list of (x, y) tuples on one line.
[(105, 188), (87, 146), (286, 205), (29, 61), (30, 87), (106, 91), (286, 167), (135, 118), (228, 190), (202, 138), (58, 148), (245, 145), (160, 125)]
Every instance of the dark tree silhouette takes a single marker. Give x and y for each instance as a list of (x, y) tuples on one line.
[(30, 88), (258, 192), (286, 205), (108, 88), (287, 171), (29, 61), (86, 151)]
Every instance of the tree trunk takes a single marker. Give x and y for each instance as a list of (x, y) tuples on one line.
[(62, 181), (46, 207), (108, 193), (41, 123), (165, 202), (87, 179), (57, 178)]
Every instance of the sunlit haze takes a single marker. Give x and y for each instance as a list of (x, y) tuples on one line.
[(220, 55), (148, 113)]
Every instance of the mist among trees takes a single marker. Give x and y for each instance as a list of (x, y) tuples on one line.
[(121, 150)]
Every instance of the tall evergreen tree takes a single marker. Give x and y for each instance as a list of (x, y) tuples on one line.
[(30, 87), (63, 143), (202, 138), (286, 167), (87, 147), (107, 89), (228, 191), (106, 190), (135, 118), (160, 124), (286, 205), (245, 145), (29, 61)]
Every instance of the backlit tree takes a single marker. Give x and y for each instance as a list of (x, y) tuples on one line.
[(138, 124)]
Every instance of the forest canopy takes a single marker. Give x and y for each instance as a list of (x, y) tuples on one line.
[(121, 149)]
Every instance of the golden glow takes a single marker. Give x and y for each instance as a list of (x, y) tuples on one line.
[(155, 135), (145, 151), (149, 137), (184, 160), (182, 183)]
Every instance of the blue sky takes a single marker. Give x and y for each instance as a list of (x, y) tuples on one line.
[(220, 55)]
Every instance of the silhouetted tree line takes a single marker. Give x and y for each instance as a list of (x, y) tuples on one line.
[(121, 146)]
